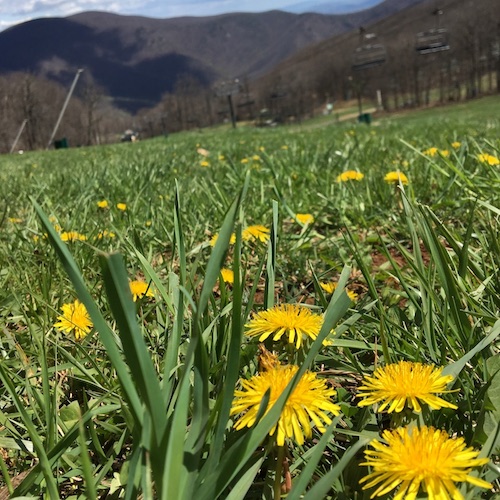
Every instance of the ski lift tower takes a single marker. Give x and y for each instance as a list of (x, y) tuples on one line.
[(228, 88), (369, 54), (434, 39)]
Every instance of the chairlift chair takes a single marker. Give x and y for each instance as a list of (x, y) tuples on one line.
[(434, 40), (369, 56)]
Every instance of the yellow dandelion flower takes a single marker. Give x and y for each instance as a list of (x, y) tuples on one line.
[(72, 236), (396, 178), (420, 461), (456, 144), (227, 275), (444, 152), (74, 318), (256, 232), (139, 289), (262, 149), (213, 240), (222, 157), (304, 218), (244, 160), (405, 382), (296, 322), (204, 163), (256, 158), (431, 152), (121, 206), (331, 287), (489, 159), (15, 220), (102, 204), (310, 400), (350, 175), (284, 147), (105, 234)]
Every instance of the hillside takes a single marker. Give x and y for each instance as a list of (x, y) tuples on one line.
[(136, 59), (472, 28)]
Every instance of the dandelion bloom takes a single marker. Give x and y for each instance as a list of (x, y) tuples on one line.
[(405, 382), (310, 400), (330, 288), (140, 289), (227, 275), (74, 318), (444, 152), (396, 178), (431, 152), (102, 204), (72, 236), (256, 232), (121, 206), (213, 240), (455, 144), (350, 175), (105, 234), (489, 159), (296, 322), (424, 459), (204, 163), (15, 220), (304, 218)]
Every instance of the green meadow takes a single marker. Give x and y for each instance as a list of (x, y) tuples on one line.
[(134, 396)]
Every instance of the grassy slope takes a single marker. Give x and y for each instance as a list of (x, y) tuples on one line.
[(425, 268)]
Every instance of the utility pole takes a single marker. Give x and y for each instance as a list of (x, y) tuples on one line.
[(65, 105), (21, 128)]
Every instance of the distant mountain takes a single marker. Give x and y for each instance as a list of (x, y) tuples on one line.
[(337, 7), (137, 59)]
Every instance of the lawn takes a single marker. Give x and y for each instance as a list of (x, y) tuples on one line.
[(292, 312)]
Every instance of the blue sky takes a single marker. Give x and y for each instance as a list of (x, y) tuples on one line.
[(14, 12)]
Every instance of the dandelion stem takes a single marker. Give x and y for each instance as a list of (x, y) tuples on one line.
[(279, 468)]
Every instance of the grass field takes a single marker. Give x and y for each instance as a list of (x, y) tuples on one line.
[(143, 283)]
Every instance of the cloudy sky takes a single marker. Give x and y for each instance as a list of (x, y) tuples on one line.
[(16, 11)]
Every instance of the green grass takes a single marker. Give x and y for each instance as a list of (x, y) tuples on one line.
[(141, 405)]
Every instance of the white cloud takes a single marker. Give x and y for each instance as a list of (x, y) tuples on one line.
[(60, 7)]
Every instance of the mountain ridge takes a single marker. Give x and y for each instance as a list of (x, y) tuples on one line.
[(138, 59)]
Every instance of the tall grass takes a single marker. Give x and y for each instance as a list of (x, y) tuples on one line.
[(141, 406)]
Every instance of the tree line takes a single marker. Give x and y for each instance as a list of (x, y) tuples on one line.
[(31, 106), (295, 91)]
